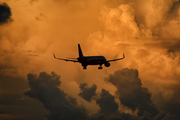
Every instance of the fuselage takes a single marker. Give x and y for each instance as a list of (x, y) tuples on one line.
[(92, 60)]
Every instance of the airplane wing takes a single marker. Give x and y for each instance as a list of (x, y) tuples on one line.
[(65, 59), (117, 59)]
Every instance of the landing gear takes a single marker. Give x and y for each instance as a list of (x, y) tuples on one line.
[(100, 67), (84, 67)]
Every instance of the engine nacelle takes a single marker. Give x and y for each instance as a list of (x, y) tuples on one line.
[(107, 64)]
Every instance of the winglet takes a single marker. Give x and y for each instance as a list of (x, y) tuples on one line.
[(123, 55), (54, 55)]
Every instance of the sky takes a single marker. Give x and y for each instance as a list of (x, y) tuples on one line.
[(143, 86)]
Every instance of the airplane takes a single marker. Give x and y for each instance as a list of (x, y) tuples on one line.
[(90, 60)]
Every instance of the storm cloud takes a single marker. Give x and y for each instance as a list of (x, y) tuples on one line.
[(107, 103), (170, 104), (45, 88), (131, 93), (146, 31), (109, 109), (5, 13), (87, 93), (14, 104)]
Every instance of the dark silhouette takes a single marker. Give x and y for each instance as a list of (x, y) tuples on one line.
[(90, 60), (5, 13)]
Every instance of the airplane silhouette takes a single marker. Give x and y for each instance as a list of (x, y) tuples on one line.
[(90, 60)]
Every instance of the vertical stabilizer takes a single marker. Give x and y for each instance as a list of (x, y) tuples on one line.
[(80, 51)]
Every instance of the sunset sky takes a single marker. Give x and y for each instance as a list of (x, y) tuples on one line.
[(143, 86)]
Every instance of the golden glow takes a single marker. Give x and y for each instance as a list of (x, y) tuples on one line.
[(143, 30)]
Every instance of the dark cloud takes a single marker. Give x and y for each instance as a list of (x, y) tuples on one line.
[(172, 103), (116, 116), (87, 93), (5, 13), (107, 103), (9, 84), (131, 93), (173, 12), (171, 54), (109, 109), (45, 88), (171, 44), (16, 105), (164, 116)]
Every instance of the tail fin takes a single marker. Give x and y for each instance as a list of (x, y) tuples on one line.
[(80, 51)]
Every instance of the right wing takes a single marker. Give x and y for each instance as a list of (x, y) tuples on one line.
[(117, 59), (65, 59)]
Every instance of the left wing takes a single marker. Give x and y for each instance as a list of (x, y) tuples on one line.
[(65, 59), (117, 59)]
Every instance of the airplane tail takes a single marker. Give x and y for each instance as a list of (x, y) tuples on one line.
[(80, 51)]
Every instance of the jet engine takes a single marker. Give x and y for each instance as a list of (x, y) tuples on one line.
[(107, 64)]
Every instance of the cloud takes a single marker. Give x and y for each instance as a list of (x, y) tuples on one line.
[(45, 88), (38, 31), (107, 103), (117, 116), (151, 45), (131, 93), (17, 105), (5, 13), (173, 11), (12, 85), (32, 1), (87, 93), (109, 108), (146, 31), (169, 102), (14, 104)]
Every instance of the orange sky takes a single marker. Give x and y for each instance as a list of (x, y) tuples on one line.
[(147, 32)]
